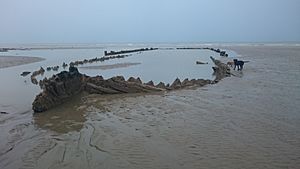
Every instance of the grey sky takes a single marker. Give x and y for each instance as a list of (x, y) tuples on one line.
[(99, 21)]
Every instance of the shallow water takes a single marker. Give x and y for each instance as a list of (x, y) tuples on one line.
[(163, 65), (158, 65), (248, 121)]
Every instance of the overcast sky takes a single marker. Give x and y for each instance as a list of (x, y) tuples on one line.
[(101, 21)]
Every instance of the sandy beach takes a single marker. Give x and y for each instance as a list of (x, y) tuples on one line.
[(247, 121), (9, 61)]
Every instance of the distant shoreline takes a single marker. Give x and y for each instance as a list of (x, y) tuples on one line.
[(4, 47), (10, 61), (48, 48)]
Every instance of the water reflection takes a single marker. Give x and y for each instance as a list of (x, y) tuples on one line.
[(64, 118), (160, 66)]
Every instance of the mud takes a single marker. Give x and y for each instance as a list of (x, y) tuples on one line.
[(250, 120)]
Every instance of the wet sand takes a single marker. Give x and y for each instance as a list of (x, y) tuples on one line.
[(251, 120), (112, 66), (9, 61)]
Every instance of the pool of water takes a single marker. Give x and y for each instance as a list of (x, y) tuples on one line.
[(162, 65)]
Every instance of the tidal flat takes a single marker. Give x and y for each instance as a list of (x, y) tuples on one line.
[(9, 61), (249, 120)]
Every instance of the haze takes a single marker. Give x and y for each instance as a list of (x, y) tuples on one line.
[(109, 21)]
